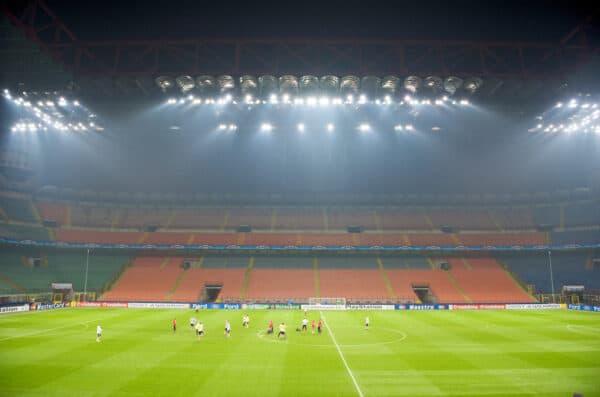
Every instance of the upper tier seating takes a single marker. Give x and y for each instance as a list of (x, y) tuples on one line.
[(299, 219), (471, 219), (99, 237), (258, 218), (341, 218), (52, 211), (192, 284), (514, 218), (403, 219)]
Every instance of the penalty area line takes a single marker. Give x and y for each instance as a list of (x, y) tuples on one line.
[(337, 346)]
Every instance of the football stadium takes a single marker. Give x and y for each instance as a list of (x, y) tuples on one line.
[(332, 199)]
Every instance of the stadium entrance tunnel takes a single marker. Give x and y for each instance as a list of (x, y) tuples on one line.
[(211, 292), (425, 294)]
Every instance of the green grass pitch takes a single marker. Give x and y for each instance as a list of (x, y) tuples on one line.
[(445, 353)]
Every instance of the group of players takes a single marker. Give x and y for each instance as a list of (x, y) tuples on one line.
[(198, 326)]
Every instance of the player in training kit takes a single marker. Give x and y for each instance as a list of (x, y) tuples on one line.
[(281, 330), (193, 322), (246, 321), (227, 328), (313, 325), (304, 324), (320, 326), (199, 329), (367, 322), (98, 333), (174, 324)]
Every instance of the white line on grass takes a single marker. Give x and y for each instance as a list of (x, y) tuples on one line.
[(342, 356), (45, 330)]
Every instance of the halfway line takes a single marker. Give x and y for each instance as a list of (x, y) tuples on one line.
[(342, 356)]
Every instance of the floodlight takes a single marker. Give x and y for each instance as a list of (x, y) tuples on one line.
[(232, 127), (248, 85), (369, 86), (301, 127), (185, 83), (207, 85), (452, 83), (311, 101), (226, 84), (434, 83), (364, 127), (324, 101), (330, 85), (266, 127), (398, 127), (408, 127), (309, 85), (412, 83), (349, 85), (164, 83), (464, 102), (267, 85), (330, 127), (288, 84), (389, 85), (472, 84), (362, 99), (222, 127)]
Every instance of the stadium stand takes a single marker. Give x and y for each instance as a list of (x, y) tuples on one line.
[(270, 285), (326, 239), (257, 218), (91, 216), (438, 281), (470, 219), (486, 282), (60, 267), (406, 262), (283, 262), (513, 218), (136, 218), (372, 239), (507, 239), (567, 269), (341, 218), (167, 238), (148, 279), (399, 219), (576, 237), (17, 208), (213, 239), (582, 214), (52, 211), (99, 237), (354, 285), (271, 239), (546, 215), (23, 232), (347, 262), (432, 239), (199, 218), (300, 219)]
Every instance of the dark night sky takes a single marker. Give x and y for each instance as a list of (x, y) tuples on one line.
[(469, 20)]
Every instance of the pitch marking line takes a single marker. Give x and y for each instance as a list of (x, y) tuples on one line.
[(342, 356), (46, 330)]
